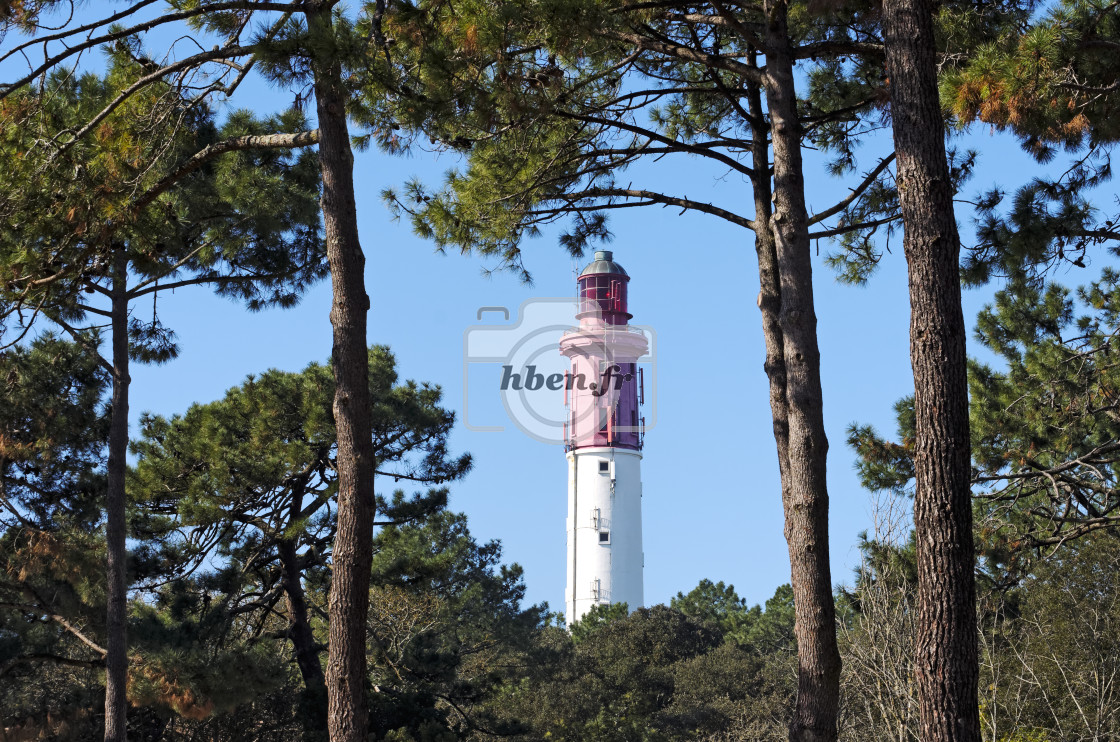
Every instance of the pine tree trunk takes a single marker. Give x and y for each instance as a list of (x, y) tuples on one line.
[(946, 670), (805, 496), (770, 290), (299, 627), (314, 698), (116, 657), (347, 714)]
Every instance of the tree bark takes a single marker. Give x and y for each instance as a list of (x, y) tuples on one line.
[(947, 670), (347, 713), (805, 494), (769, 285), (299, 627), (116, 656), (770, 304), (314, 697)]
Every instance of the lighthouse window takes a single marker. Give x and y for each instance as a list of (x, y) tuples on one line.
[(604, 414), (604, 467), (604, 537)]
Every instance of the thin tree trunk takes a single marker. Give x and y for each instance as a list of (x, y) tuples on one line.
[(805, 497), (347, 714), (947, 668), (770, 290), (116, 657), (314, 697), (299, 627)]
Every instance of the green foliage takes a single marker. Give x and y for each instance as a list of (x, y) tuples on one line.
[(257, 467), (883, 464), (1043, 430), (553, 102), (765, 632), (655, 674), (1049, 83), (246, 222), (52, 438), (1044, 437), (234, 503), (446, 628), (52, 433), (714, 603), (188, 665), (596, 618)]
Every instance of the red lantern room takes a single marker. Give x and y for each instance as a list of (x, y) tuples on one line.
[(602, 290)]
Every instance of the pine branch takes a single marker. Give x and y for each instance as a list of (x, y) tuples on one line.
[(749, 36), (856, 192), (148, 79), (60, 620), (755, 75), (837, 48), (46, 657), (702, 150), (210, 151), (56, 59), (854, 227), (660, 198)]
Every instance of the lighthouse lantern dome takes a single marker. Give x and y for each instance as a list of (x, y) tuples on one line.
[(602, 289)]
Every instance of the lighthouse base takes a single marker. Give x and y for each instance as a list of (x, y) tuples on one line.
[(605, 558)]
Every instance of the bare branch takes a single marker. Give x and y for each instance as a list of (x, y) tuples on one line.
[(661, 198), (856, 192), (854, 227)]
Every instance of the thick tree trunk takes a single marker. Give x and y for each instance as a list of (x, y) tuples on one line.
[(805, 496), (945, 648), (116, 657), (348, 716)]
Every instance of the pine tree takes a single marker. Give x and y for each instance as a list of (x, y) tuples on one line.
[(142, 206), (1043, 431), (946, 664), (253, 478), (449, 634), (53, 432), (1052, 84), (315, 44)]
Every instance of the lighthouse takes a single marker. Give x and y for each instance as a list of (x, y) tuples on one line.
[(603, 436)]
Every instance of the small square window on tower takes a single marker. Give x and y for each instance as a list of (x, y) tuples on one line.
[(604, 537), (604, 467)]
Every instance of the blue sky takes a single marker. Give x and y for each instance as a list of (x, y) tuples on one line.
[(712, 504)]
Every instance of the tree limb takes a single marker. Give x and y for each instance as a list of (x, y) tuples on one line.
[(210, 151), (856, 192)]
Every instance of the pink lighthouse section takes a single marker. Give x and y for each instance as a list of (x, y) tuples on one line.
[(604, 436)]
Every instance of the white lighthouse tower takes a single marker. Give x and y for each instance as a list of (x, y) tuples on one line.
[(603, 439)]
